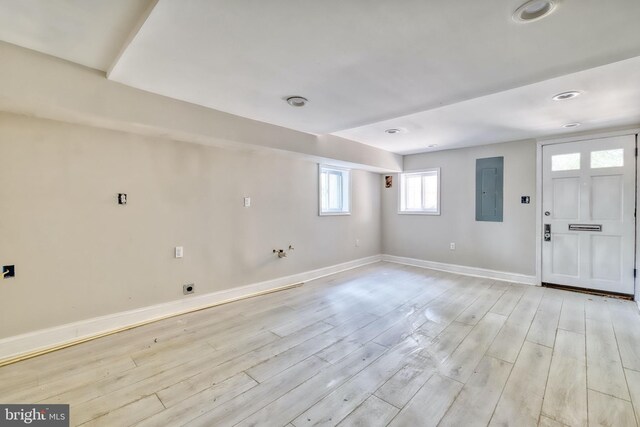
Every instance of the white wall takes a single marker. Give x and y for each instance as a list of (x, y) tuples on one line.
[(507, 246), (79, 255)]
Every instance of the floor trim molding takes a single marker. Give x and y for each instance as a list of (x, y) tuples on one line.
[(464, 270), (20, 347)]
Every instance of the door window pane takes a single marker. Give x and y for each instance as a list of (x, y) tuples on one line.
[(607, 158), (565, 162)]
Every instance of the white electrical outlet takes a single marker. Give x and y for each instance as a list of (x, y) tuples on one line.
[(247, 202), (452, 246), (357, 243), (179, 252)]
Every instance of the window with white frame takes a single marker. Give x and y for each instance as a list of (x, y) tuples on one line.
[(335, 191), (420, 192)]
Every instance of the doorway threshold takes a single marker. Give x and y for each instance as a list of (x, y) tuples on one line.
[(588, 291)]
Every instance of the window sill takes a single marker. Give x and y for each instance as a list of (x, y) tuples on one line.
[(418, 213)]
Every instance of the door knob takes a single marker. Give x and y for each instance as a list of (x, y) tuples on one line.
[(547, 213)]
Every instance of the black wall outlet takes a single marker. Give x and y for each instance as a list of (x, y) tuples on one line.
[(9, 271)]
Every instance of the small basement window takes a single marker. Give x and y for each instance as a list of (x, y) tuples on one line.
[(420, 192), (335, 191)]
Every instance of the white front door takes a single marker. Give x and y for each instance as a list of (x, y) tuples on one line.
[(588, 222)]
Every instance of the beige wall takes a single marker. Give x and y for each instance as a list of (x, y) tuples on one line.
[(507, 246), (79, 255)]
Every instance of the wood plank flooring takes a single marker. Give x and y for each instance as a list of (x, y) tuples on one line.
[(380, 345)]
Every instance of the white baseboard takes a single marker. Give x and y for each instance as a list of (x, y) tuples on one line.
[(38, 342), (464, 270)]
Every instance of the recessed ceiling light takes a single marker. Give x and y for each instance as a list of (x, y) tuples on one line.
[(534, 10), (571, 125), (394, 131), (297, 101), (563, 96)]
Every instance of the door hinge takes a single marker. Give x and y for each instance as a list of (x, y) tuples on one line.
[(636, 151), (635, 270)]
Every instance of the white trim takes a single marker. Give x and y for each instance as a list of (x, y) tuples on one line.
[(636, 279), (44, 339), (584, 136), (463, 269), (539, 216)]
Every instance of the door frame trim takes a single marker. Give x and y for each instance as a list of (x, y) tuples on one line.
[(541, 142)]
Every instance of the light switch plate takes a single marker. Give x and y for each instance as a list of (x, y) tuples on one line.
[(179, 252)]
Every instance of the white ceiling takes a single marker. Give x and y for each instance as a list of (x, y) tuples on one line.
[(87, 32), (611, 98), (454, 73)]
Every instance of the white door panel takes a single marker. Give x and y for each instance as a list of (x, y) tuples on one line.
[(566, 198), (565, 250), (607, 197), (590, 183), (606, 258)]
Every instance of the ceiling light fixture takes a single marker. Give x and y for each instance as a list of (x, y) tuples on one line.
[(571, 125), (563, 96), (534, 10), (297, 101), (394, 131), (432, 146)]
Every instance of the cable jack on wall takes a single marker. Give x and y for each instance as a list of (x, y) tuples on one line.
[(282, 253)]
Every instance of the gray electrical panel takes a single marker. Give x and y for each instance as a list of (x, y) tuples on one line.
[(489, 189)]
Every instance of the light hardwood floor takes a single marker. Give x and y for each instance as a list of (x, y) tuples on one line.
[(380, 345)]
